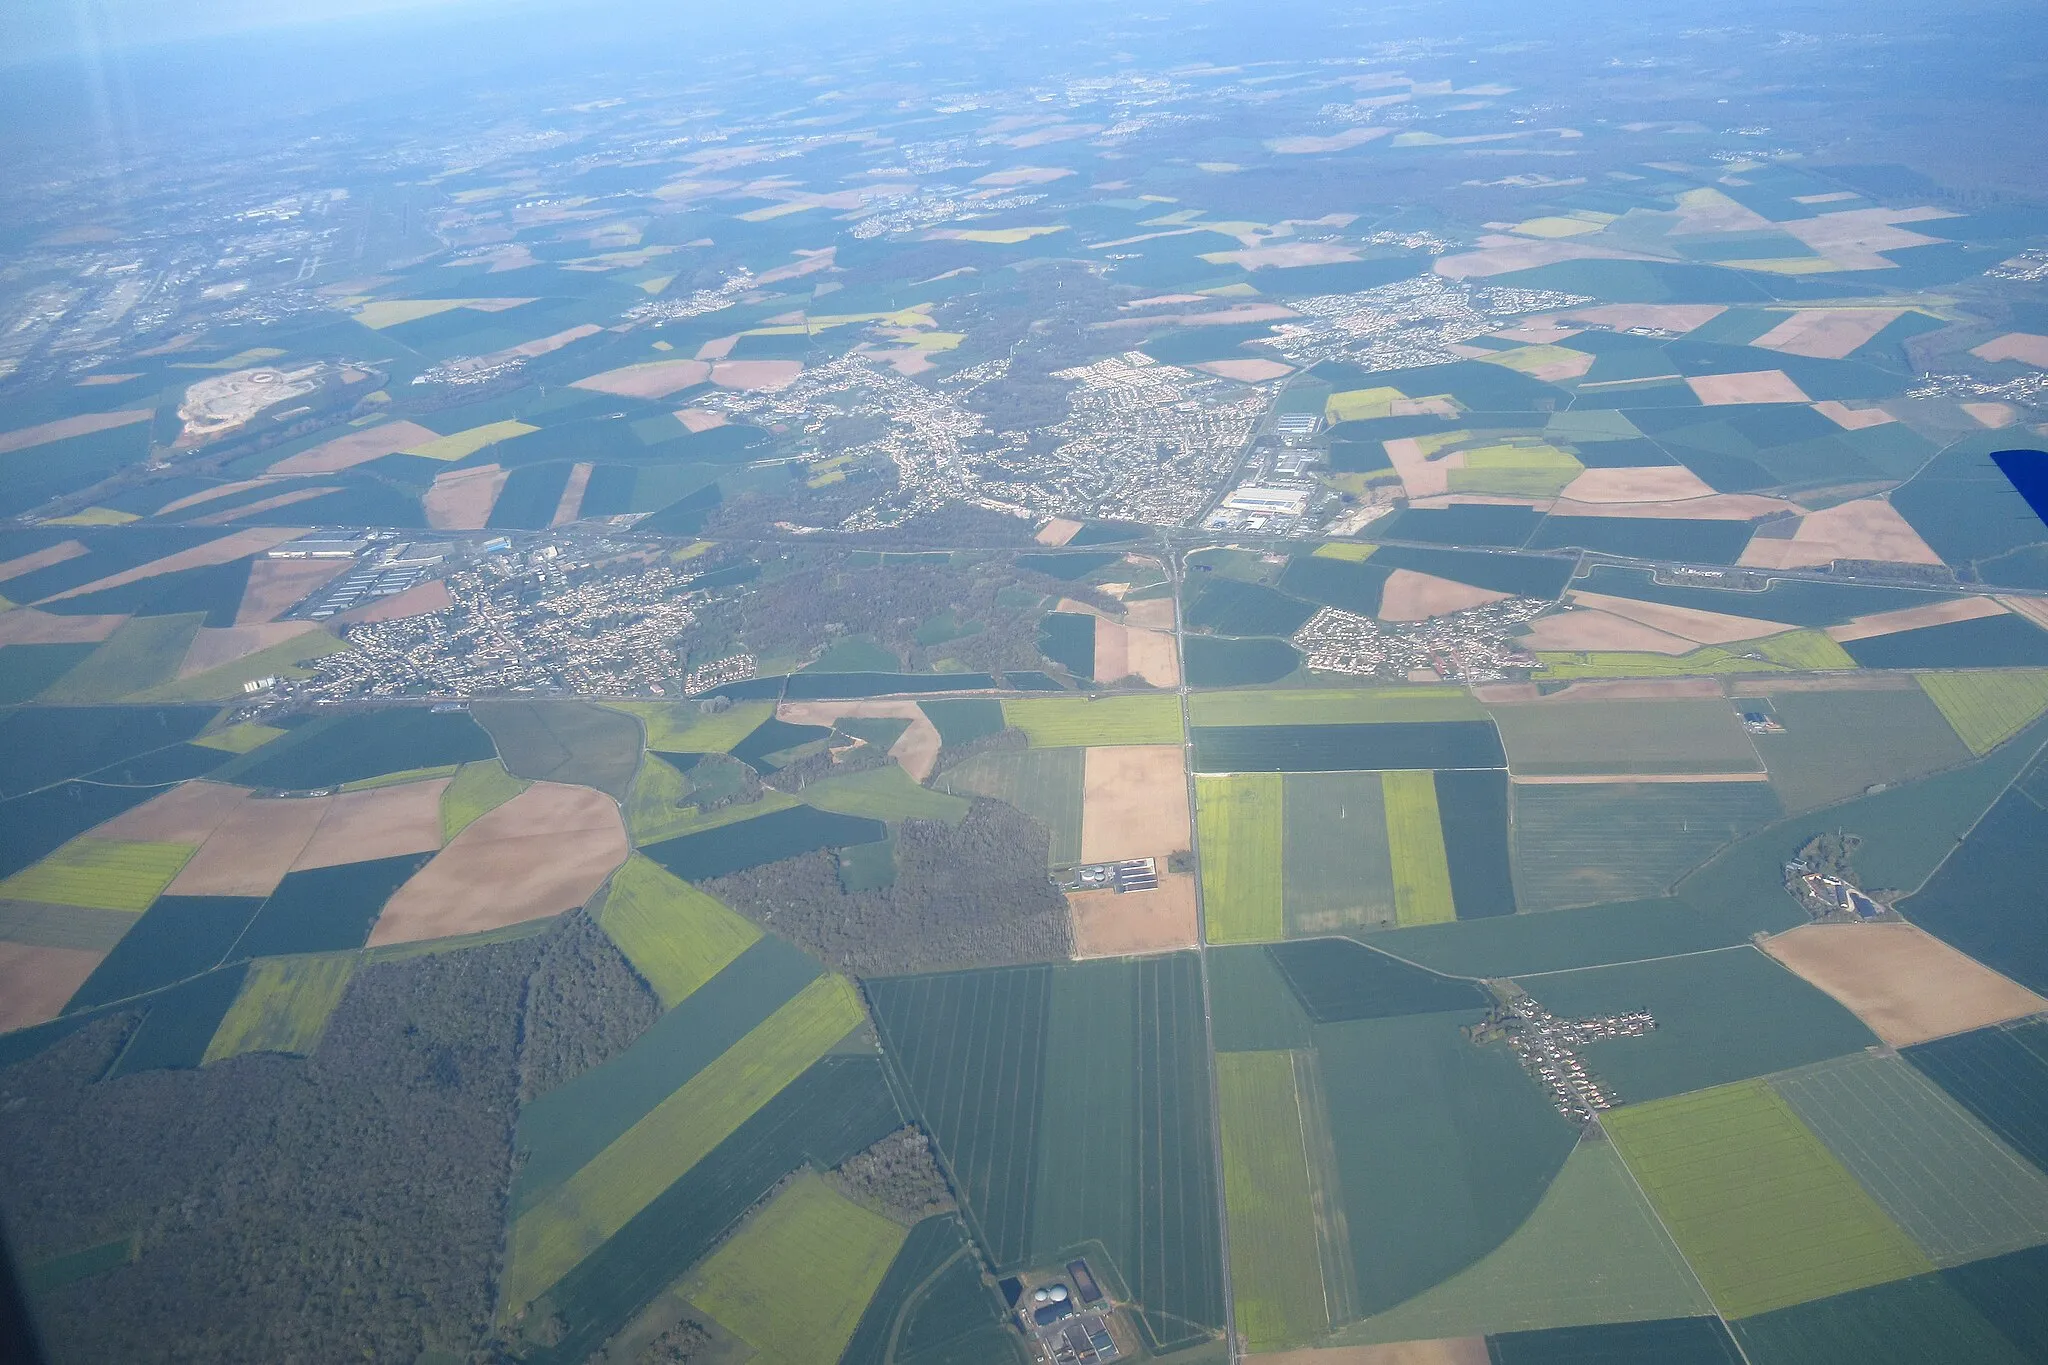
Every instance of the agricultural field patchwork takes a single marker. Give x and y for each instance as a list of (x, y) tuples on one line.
[(676, 936), (1062, 722), (1276, 1266), (100, 874), (283, 1007), (1986, 709), (1240, 822)]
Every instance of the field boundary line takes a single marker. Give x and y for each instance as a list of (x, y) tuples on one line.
[(1639, 961)]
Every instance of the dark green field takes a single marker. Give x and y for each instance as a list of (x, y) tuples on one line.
[(179, 1023), (1670, 1341), (1252, 1006), (1473, 809), (1219, 661), (763, 839), (2001, 1076), (1838, 743), (564, 742), (1917, 1321), (49, 744), (1347, 748), (177, 937), (331, 750), (1336, 980), (1590, 843), (326, 909), (1987, 642)]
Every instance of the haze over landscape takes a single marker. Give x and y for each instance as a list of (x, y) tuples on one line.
[(940, 685)]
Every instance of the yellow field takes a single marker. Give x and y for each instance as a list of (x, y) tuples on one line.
[(240, 739), (391, 312), (809, 1235), (283, 1007), (1351, 552), (100, 874), (1238, 818), (1332, 706), (463, 444), (1061, 722), (1533, 470), (1360, 405), (478, 789), (1002, 236), (680, 728), (1798, 651), (1987, 709), (94, 516), (1276, 1267), (1804, 649), (554, 1236), (676, 936), (1415, 837)]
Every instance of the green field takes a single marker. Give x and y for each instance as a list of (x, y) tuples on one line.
[(886, 793), (1800, 651), (399, 779), (1986, 709), (1837, 744), (286, 659), (143, 653), (1588, 843), (478, 789), (1340, 870), (100, 874), (1958, 1192), (1625, 738), (240, 739), (1055, 722), (676, 936), (1239, 826), (1275, 1262), (1043, 783), (1332, 706), (1593, 1251), (656, 800), (62, 926), (1765, 1214), (563, 741), (283, 1007), (679, 727), (1415, 844), (573, 1219), (794, 1279)]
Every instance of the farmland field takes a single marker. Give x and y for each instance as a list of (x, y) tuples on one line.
[(477, 789), (331, 750), (45, 745), (1916, 1321), (676, 936), (812, 1235), (680, 728), (2001, 1076), (1415, 844), (1984, 899), (1239, 821), (1276, 1267), (1672, 1341), (1827, 753), (2007, 1290), (768, 838), (572, 742), (1958, 1192), (963, 720), (1762, 1210), (1254, 1008), (102, 874), (886, 793), (2007, 641), (284, 1006), (178, 937), (576, 1217), (1721, 1017), (326, 909), (143, 653), (1987, 709), (1592, 1251), (1337, 979), (1332, 706), (933, 1300), (1585, 843), (1410, 745), (1043, 783), (179, 1023), (1056, 722), (1624, 738), (1472, 808), (1226, 661), (1339, 868)]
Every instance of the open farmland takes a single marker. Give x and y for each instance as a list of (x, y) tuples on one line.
[(1415, 843), (886, 793), (284, 1006), (1904, 1321), (1059, 722), (568, 742), (2001, 1076), (812, 1235), (1838, 743), (476, 790), (676, 936), (1276, 1267), (1763, 1211), (1043, 783), (1347, 748), (100, 874), (1134, 802), (1585, 843), (1624, 738), (1339, 869), (1906, 984), (1987, 709), (1332, 706), (1239, 818), (681, 728)]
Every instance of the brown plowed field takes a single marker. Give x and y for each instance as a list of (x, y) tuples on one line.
[(915, 751), (1412, 596), (251, 850), (261, 505), (571, 503), (188, 813), (1688, 623), (1656, 483), (1582, 628), (40, 559), (1827, 333), (1903, 982), (2021, 346), (253, 541), (1852, 419), (27, 626), (1755, 386), (656, 379), (84, 424), (35, 982), (213, 648), (1248, 371), (755, 374), (358, 447), (1447, 1351), (1867, 528), (1115, 924), (699, 419), (1717, 507), (418, 600), (1667, 317), (1134, 802), (1913, 618), (277, 585), (383, 822), (461, 499)]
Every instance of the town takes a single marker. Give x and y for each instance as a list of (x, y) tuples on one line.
[(1475, 645), (1548, 1048)]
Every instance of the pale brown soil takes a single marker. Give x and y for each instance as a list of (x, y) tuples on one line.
[(1412, 596), (915, 751), (1634, 689), (1456, 460), (1499, 254), (2035, 609), (36, 982), (1597, 630), (383, 822), (1492, 693), (1221, 317), (718, 348), (810, 263), (1756, 386), (1286, 254), (1827, 333), (1852, 419), (95, 381), (1447, 1351), (1591, 779), (358, 447), (1538, 332), (1025, 175), (1118, 924), (1058, 531), (1154, 613), (1712, 211), (657, 379), (188, 813), (84, 424), (571, 502), (1246, 371), (1913, 618), (1112, 655), (1770, 684), (697, 419), (1992, 415), (905, 360), (1666, 317), (1134, 802), (232, 547), (278, 585), (1422, 476), (213, 647), (1718, 507), (40, 559), (420, 600), (27, 626), (546, 850), (1655, 483), (1852, 239), (461, 499), (250, 509), (1688, 623), (1866, 528), (209, 494), (755, 374), (2021, 346), (251, 849), (1573, 366), (1903, 982), (1152, 657), (540, 346), (1336, 142)]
